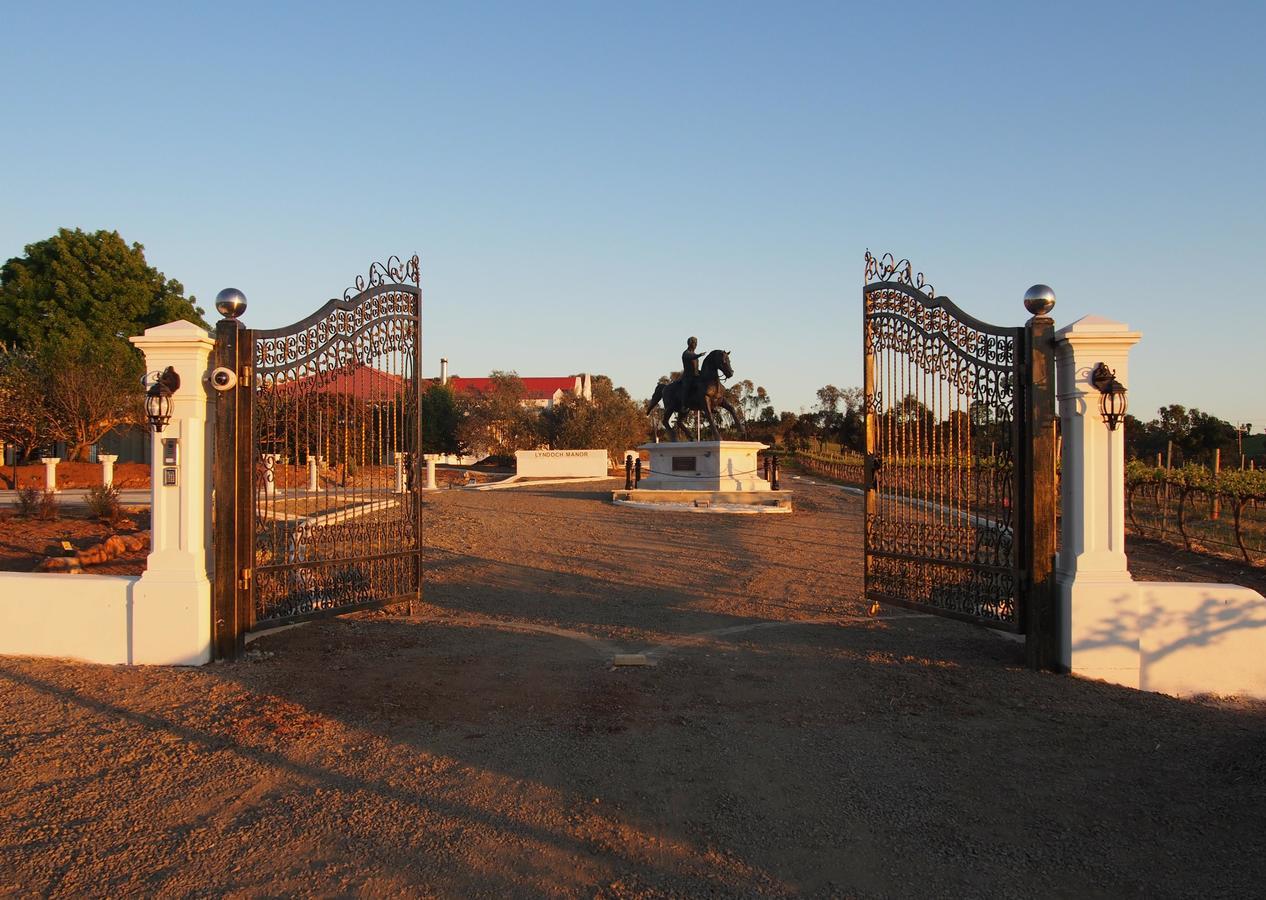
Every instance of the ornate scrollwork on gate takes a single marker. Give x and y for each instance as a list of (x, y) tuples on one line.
[(335, 412), (393, 271), (889, 268), (339, 335), (943, 399)]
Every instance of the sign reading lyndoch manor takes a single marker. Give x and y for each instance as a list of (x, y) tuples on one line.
[(560, 463)]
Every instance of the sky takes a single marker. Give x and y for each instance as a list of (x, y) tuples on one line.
[(587, 184)]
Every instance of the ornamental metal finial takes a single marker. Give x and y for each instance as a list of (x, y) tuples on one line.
[(393, 271), (1039, 299), (230, 303), (889, 268)]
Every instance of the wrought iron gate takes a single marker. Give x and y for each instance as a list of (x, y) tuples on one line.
[(960, 464), (317, 471)]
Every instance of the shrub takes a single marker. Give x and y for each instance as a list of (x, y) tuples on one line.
[(28, 502), (103, 502), (48, 506)]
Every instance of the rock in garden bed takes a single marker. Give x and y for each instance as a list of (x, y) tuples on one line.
[(26, 543)]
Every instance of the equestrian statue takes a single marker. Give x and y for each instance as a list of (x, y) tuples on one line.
[(699, 388)]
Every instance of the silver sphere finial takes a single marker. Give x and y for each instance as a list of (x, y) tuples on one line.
[(230, 303), (1039, 299)]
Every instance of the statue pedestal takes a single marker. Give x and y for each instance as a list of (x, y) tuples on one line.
[(722, 476), (703, 466)]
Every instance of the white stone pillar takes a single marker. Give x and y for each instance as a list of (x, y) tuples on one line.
[(400, 480), (1098, 600), (107, 461), (314, 473), (50, 472), (430, 474), (171, 604)]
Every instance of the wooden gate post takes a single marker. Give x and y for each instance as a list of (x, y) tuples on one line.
[(1041, 638), (228, 630), (872, 445)]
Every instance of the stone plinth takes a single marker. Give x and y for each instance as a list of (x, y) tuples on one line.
[(728, 466)]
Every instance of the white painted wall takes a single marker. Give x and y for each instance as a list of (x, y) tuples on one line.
[(1173, 637), (560, 463), (84, 617)]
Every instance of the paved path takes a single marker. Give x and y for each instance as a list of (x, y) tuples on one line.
[(75, 497)]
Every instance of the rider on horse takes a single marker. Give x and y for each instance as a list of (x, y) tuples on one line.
[(699, 389), (690, 364)]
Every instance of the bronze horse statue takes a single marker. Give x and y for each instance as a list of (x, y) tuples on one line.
[(702, 393)]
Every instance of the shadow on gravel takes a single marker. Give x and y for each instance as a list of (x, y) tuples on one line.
[(797, 758), (472, 751)]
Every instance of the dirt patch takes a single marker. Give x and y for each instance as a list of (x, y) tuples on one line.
[(781, 744), (77, 475), (1151, 560), (25, 543)]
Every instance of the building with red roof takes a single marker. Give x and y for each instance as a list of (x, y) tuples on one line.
[(542, 392)]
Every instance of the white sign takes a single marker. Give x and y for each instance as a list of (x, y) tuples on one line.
[(560, 463)]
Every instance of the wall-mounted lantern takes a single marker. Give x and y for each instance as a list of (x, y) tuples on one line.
[(159, 387), (1112, 403)]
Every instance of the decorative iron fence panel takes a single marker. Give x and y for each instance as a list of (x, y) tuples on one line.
[(951, 443), (327, 515)]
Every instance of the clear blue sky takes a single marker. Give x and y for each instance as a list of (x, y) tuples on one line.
[(573, 173)]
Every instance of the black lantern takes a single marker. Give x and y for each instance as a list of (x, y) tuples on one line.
[(161, 385), (1111, 395)]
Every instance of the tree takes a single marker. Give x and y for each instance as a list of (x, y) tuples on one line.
[(440, 418), (496, 420), (72, 301), (1195, 435), (845, 426), (611, 420), (89, 392), (23, 418), (750, 399)]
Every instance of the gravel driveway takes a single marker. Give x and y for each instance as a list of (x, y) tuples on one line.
[(780, 743)]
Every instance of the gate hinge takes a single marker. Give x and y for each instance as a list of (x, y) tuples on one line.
[(245, 583), (246, 380)]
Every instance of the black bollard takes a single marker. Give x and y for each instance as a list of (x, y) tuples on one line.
[(773, 483), (628, 472), (637, 472)]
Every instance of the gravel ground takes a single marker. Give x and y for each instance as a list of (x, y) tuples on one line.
[(782, 743)]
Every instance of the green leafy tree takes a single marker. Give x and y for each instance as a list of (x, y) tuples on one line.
[(73, 301), (839, 416), (1196, 436), (440, 420), (750, 399), (611, 420), (496, 420)]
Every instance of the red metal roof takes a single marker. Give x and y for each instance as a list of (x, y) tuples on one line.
[(537, 388), (359, 381)]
